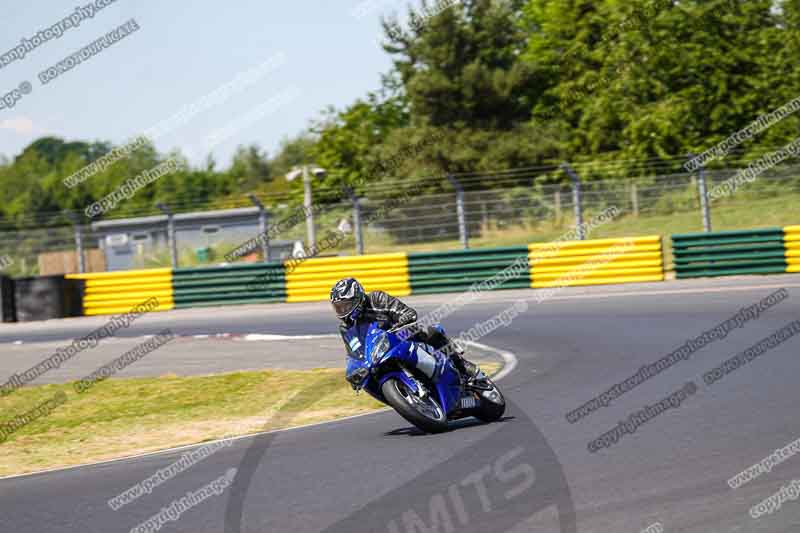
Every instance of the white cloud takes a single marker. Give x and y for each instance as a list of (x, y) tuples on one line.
[(21, 125)]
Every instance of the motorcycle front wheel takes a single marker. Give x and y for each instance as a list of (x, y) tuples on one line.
[(492, 404), (424, 412)]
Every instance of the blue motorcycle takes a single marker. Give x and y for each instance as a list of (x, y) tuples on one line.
[(418, 382)]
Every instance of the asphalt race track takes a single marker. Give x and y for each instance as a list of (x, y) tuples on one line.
[(530, 472)]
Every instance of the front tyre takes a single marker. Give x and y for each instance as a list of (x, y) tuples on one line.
[(424, 412), (492, 404)]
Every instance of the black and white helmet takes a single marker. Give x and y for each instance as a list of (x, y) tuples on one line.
[(347, 298)]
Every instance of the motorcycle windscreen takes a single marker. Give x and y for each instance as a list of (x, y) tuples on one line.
[(355, 338)]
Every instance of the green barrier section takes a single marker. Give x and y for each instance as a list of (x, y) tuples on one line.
[(729, 253), (455, 271), (229, 285)]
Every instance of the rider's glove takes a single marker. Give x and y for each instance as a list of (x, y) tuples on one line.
[(357, 378)]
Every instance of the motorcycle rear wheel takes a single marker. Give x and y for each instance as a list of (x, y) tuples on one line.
[(425, 413)]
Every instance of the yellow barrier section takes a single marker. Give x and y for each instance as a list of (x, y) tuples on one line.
[(791, 241), (596, 262), (311, 280), (109, 293)]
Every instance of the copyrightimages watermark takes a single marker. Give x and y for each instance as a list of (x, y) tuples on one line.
[(40, 411), (641, 417), (755, 169), (789, 492), (5, 261), (481, 329), (54, 31), (765, 466), (124, 361), (760, 124), (91, 340), (654, 528), (683, 353), (131, 187), (175, 510), (167, 473), (216, 97), (675, 400)]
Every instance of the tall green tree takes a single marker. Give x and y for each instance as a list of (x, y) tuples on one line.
[(250, 167)]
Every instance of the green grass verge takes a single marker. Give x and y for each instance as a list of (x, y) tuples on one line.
[(122, 417)]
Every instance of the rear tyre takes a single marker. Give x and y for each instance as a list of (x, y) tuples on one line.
[(425, 413), (492, 406)]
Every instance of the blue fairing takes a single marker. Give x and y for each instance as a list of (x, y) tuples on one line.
[(366, 352)]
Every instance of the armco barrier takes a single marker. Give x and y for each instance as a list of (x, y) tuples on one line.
[(312, 279), (109, 293), (456, 271), (47, 298), (8, 306), (596, 262), (730, 253), (791, 242), (225, 285)]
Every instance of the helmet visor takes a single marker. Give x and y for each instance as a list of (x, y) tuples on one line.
[(343, 308)]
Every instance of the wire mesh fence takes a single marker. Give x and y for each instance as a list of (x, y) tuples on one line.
[(498, 210)]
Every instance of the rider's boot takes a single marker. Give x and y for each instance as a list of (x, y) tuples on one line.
[(468, 370)]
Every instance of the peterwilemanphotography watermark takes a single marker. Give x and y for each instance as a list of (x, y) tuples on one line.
[(64, 354), (682, 353), (125, 360), (176, 509), (54, 31)]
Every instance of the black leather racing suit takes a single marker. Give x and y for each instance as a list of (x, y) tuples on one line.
[(391, 313)]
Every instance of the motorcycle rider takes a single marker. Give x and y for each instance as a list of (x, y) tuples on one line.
[(353, 305)]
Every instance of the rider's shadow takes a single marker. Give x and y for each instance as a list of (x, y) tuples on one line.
[(465, 423)]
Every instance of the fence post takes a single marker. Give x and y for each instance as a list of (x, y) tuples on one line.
[(308, 205), (635, 199), (78, 240), (356, 220), (173, 245), (262, 226), (557, 206), (704, 205), (576, 199), (462, 216)]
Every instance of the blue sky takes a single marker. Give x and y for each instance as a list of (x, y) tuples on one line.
[(182, 52)]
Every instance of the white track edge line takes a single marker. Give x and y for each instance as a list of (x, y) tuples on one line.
[(509, 359)]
